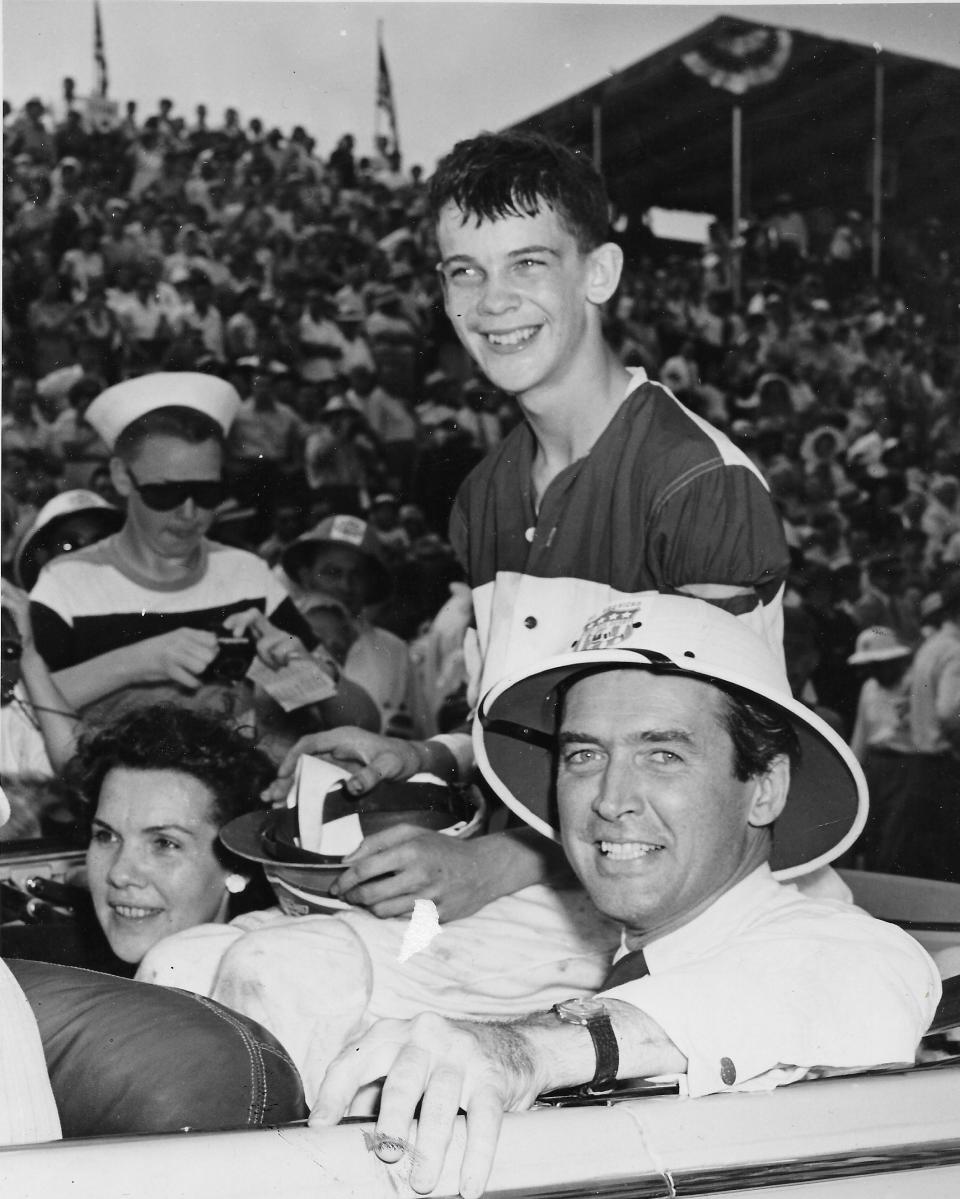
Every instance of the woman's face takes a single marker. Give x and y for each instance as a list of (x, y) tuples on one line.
[(151, 864)]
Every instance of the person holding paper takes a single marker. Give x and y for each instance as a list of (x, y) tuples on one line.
[(140, 617)]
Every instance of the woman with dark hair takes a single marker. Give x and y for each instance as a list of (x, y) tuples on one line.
[(161, 782)]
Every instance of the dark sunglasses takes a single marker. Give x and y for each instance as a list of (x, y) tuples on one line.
[(164, 497)]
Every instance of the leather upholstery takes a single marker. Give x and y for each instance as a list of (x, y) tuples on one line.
[(128, 1057)]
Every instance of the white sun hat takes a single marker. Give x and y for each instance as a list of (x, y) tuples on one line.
[(516, 722), (878, 644), (119, 406)]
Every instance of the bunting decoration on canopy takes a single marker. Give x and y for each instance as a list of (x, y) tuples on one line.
[(738, 62), (385, 107)]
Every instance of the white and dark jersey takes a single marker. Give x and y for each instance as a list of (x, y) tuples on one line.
[(661, 501), (91, 602)]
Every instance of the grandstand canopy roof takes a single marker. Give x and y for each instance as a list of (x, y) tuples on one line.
[(665, 132)]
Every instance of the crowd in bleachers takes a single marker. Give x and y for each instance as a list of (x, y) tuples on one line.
[(306, 278)]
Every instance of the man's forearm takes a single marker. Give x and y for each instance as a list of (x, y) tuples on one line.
[(515, 859), (92, 680)]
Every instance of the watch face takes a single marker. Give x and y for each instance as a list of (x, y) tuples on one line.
[(579, 1011)]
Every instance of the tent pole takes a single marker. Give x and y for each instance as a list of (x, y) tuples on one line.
[(877, 166), (735, 244), (598, 136)]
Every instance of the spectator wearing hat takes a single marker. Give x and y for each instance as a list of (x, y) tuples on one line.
[(340, 458), (932, 848), (384, 516), (37, 726), (266, 442), (883, 744), (885, 602), (341, 558), (136, 617)]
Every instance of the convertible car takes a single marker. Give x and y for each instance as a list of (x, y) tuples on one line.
[(886, 1133)]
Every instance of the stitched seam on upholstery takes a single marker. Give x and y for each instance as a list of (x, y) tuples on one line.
[(258, 1094)]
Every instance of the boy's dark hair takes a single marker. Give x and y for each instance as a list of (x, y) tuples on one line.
[(167, 737), (495, 175), (187, 424)]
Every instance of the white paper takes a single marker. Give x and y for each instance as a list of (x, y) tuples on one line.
[(312, 780)]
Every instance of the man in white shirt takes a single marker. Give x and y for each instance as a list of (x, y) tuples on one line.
[(686, 785)]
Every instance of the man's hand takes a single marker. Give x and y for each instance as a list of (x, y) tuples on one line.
[(180, 656), (275, 648), (449, 1065), (394, 867), (371, 757)]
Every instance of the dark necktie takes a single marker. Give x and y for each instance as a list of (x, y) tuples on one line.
[(631, 965)]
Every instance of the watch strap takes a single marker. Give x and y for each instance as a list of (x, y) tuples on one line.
[(606, 1048)]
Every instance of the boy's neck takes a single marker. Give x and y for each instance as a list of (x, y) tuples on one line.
[(567, 421)]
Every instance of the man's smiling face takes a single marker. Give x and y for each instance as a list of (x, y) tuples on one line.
[(653, 820), (517, 292)]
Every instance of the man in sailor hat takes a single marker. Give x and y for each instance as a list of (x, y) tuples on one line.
[(136, 617), (686, 785)]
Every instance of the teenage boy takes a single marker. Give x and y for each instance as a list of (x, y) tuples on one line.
[(609, 487)]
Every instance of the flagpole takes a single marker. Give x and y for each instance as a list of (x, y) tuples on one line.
[(736, 200), (877, 164), (598, 136)]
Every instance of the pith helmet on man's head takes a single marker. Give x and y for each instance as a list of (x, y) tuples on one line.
[(516, 724)]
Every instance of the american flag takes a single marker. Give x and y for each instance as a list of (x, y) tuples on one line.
[(385, 103), (99, 55)]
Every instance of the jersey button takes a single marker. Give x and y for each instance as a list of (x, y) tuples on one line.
[(531, 622)]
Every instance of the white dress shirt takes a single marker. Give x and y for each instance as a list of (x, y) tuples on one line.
[(769, 985)]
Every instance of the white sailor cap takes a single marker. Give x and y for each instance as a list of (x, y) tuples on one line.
[(119, 406)]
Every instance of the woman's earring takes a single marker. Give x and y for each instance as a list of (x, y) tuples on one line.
[(235, 883)]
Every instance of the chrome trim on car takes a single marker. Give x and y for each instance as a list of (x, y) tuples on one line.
[(753, 1176), (679, 1184)]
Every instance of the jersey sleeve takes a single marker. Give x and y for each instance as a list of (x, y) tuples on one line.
[(721, 528)]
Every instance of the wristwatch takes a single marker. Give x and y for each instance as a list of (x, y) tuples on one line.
[(592, 1014)]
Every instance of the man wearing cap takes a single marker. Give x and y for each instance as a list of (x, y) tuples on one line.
[(687, 787), (342, 558), (136, 617)]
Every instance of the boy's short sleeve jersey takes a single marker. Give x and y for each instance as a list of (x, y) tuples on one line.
[(662, 500)]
